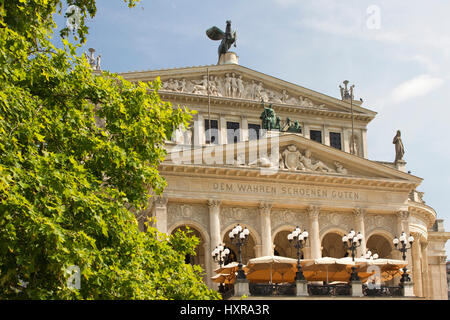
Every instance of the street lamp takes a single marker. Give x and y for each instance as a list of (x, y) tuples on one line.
[(299, 239), (403, 249), (219, 254), (239, 236), (352, 241)]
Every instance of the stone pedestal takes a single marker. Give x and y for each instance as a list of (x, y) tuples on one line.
[(302, 288), (401, 165), (241, 287), (356, 290), (408, 289), (228, 58)]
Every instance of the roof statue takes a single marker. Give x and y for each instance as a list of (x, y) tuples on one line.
[(270, 121), (93, 61), (399, 148), (228, 37)]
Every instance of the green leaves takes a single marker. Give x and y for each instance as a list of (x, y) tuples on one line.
[(77, 150)]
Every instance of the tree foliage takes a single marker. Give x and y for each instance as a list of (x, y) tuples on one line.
[(77, 150)]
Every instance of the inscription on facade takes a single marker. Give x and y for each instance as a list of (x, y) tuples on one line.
[(298, 191)]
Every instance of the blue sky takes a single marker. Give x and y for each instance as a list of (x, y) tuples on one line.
[(397, 54)]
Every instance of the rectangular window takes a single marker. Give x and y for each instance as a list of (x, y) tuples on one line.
[(253, 131), (335, 140), (233, 132), (315, 135), (212, 136)]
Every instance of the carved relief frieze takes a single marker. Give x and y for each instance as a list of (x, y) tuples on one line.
[(280, 217), (185, 212), (231, 215), (329, 220), (378, 221), (232, 85)]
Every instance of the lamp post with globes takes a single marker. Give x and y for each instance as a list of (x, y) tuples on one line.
[(403, 249), (352, 241), (369, 255), (298, 238), (239, 236), (220, 253)]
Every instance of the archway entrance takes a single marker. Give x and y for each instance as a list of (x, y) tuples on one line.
[(380, 245), (247, 250), (199, 257), (283, 247), (332, 246)]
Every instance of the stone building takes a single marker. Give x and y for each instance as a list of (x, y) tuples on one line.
[(316, 176)]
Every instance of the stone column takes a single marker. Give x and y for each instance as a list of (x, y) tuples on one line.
[(266, 228), (214, 223), (425, 274), (416, 261), (314, 231), (360, 214), (199, 130), (364, 143), (222, 129), (160, 213), (244, 129)]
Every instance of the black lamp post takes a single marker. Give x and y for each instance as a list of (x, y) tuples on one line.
[(220, 253), (352, 241), (299, 239), (403, 249), (239, 236)]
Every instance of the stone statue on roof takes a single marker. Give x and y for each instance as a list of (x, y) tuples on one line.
[(399, 148), (228, 37)]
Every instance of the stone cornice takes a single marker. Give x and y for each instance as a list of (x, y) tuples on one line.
[(254, 174), (255, 105), (424, 211)]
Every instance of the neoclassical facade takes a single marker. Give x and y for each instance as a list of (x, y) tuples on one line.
[(224, 171)]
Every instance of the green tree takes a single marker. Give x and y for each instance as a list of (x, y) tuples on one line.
[(77, 150)]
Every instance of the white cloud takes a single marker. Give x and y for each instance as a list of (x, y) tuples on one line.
[(416, 87)]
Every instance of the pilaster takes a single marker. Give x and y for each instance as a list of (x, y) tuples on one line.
[(160, 213), (266, 228), (314, 236)]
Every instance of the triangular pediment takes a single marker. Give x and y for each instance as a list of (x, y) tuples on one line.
[(239, 83), (288, 153)]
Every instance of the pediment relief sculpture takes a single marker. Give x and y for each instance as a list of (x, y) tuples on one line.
[(291, 159), (232, 85)]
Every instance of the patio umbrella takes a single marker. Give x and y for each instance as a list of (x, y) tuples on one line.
[(273, 269), (224, 278), (389, 268), (228, 268), (333, 269)]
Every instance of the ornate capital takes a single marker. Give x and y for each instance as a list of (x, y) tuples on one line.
[(359, 213), (313, 211), (265, 206), (403, 214), (160, 201), (214, 203)]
